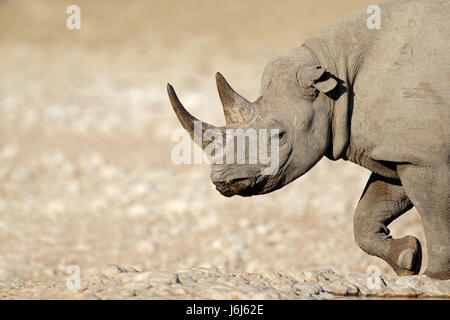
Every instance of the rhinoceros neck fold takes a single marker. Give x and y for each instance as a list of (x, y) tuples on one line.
[(341, 50)]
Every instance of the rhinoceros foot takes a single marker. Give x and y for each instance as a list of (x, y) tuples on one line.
[(405, 256)]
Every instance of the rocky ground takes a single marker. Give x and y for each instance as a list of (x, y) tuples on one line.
[(87, 176), (116, 282)]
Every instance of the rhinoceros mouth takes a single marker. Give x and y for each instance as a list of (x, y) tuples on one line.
[(240, 186)]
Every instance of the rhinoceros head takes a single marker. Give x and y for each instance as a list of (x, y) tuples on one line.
[(289, 129)]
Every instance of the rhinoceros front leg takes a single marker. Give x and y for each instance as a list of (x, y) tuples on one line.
[(382, 201), (429, 190)]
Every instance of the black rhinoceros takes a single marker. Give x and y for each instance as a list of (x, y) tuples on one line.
[(377, 97)]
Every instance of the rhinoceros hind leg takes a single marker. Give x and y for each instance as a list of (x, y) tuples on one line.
[(383, 201), (428, 188)]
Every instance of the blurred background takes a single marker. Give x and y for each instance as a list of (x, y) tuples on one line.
[(86, 176)]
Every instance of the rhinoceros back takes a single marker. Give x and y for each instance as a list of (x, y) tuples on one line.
[(402, 89)]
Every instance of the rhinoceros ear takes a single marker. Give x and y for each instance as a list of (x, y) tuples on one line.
[(326, 86), (315, 76)]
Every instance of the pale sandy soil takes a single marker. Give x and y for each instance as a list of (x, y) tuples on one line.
[(86, 176)]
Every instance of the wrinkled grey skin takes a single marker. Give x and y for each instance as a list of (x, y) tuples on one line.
[(378, 98)]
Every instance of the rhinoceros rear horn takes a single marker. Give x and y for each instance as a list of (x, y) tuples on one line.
[(236, 108), (188, 121)]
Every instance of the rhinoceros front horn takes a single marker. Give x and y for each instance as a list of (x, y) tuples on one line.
[(236, 108), (188, 121)]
